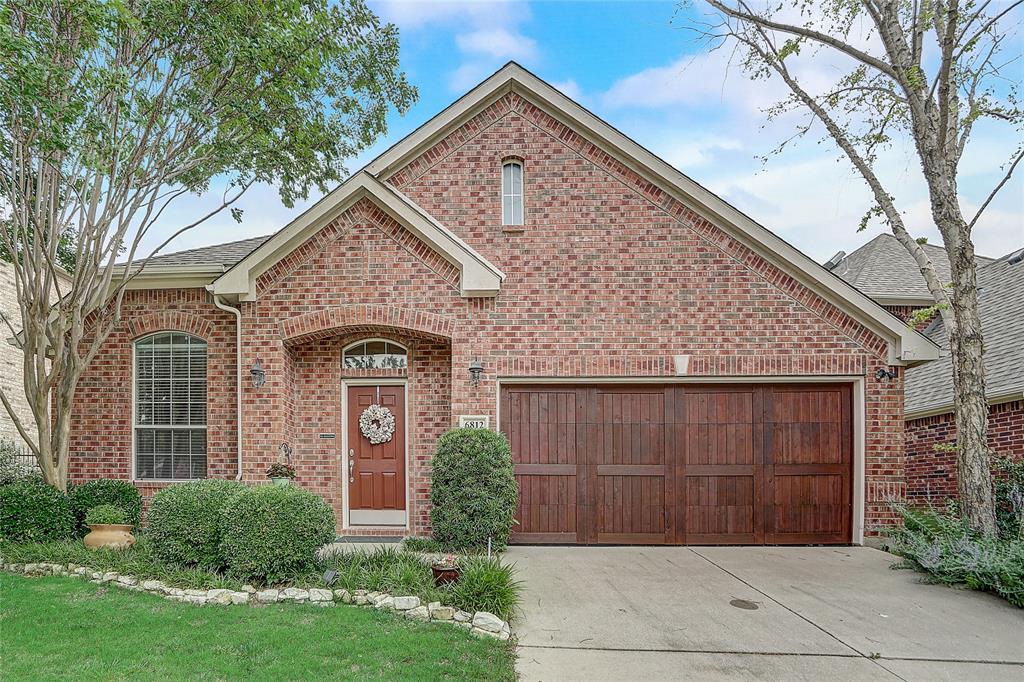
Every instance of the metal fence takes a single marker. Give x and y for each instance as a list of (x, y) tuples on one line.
[(18, 456)]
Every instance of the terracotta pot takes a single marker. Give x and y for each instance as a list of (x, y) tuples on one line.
[(445, 575), (115, 535)]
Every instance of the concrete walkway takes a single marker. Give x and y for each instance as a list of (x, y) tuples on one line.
[(678, 613)]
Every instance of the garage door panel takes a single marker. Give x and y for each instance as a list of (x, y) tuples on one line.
[(631, 506), (808, 462), (719, 509), (808, 509)]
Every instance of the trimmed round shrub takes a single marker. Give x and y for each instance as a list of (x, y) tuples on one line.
[(474, 491), (184, 522), (121, 494), (31, 511), (105, 514), (271, 533)]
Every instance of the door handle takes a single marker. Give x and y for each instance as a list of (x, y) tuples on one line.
[(351, 465)]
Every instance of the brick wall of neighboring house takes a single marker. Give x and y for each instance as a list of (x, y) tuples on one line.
[(11, 372), (905, 311), (11, 366), (609, 277), (931, 473)]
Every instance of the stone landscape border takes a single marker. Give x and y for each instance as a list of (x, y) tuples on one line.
[(481, 623)]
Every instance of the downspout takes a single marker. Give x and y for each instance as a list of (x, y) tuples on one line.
[(238, 379)]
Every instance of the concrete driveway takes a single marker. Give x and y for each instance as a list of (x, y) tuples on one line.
[(744, 613)]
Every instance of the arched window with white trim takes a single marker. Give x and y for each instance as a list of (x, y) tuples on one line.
[(512, 193), (170, 407), (375, 354)]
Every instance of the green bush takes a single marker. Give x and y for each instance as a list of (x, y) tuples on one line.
[(121, 494), (1009, 497), (31, 511), (943, 545), (14, 465), (473, 491), (271, 533), (105, 514), (185, 522), (487, 584)]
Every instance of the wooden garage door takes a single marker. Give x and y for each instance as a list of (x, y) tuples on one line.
[(736, 464)]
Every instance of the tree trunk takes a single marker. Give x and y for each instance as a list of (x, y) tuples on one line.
[(974, 460)]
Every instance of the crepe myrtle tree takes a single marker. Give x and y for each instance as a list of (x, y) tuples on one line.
[(927, 71), (113, 111)]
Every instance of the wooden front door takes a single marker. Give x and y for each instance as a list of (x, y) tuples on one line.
[(376, 472), (682, 464)]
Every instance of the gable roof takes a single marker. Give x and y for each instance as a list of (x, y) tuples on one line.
[(929, 388), (481, 278), (884, 270), (906, 346)]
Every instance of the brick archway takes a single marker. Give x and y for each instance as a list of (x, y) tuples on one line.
[(364, 317), (169, 320)]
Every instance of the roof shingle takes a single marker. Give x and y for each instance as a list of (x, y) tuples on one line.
[(884, 269), (219, 254)]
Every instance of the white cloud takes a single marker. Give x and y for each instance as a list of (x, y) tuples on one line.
[(686, 152), (498, 43), (570, 89)]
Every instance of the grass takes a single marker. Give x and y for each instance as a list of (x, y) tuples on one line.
[(67, 629), (485, 585)]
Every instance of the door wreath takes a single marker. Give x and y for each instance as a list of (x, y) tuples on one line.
[(377, 423)]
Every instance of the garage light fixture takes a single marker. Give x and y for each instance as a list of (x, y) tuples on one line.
[(884, 374)]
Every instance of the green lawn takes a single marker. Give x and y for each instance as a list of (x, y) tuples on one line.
[(67, 628)]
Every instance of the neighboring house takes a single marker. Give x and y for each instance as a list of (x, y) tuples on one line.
[(666, 369), (883, 269), (12, 368)]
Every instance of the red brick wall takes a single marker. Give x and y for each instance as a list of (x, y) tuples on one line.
[(101, 433), (931, 474), (609, 277)]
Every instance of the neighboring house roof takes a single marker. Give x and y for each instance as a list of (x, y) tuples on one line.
[(929, 388), (219, 254), (481, 278), (884, 270)]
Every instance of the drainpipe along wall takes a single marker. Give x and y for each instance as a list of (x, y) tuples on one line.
[(238, 380)]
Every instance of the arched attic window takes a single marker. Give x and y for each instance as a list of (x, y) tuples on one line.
[(512, 192), (375, 354), (170, 407)]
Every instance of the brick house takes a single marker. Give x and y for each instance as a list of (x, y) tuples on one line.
[(666, 369), (884, 270)]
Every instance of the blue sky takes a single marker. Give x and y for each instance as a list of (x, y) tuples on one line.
[(635, 65)]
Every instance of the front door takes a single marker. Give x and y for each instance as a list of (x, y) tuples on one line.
[(376, 456)]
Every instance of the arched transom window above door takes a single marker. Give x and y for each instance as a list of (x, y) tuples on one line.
[(375, 354)]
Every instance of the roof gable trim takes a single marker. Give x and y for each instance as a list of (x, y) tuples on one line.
[(479, 277)]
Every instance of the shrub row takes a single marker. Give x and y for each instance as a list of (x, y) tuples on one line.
[(263, 533), (32, 511)]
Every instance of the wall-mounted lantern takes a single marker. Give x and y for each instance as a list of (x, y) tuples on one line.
[(259, 375), (476, 370), (884, 374)]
